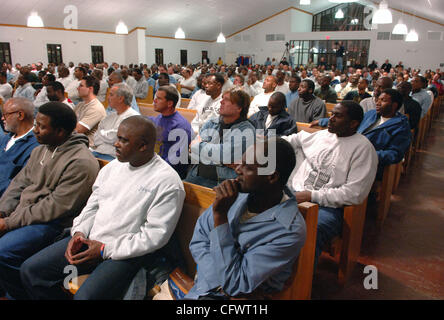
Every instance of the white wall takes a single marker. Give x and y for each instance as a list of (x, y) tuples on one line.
[(28, 45), (296, 25), (171, 50)]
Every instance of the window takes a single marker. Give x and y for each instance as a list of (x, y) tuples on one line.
[(5, 53), (159, 56), (54, 53), (353, 19), (356, 51), (97, 54), (183, 57)]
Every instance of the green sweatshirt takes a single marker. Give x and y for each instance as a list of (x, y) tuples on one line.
[(53, 185)]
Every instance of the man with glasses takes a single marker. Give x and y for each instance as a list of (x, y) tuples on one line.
[(16, 147)]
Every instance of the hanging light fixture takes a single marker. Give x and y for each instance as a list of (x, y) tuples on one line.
[(412, 36), (383, 14), (342, 1), (400, 28), (35, 21), (221, 38), (339, 14), (121, 28), (304, 2), (179, 34)]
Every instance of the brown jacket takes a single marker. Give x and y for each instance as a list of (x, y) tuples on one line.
[(53, 185)]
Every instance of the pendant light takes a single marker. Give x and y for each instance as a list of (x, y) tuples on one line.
[(339, 14), (342, 1), (412, 36), (34, 20), (304, 2), (383, 14), (179, 34), (121, 28), (400, 28)]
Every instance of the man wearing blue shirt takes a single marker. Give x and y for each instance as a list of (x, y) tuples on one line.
[(16, 147), (246, 243), (293, 84)]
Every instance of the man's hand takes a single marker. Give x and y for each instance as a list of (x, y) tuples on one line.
[(226, 194), (303, 196), (89, 256), (3, 227), (74, 246), (314, 123)]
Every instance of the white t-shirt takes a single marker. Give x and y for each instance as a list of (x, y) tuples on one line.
[(13, 140), (190, 82), (5, 91), (259, 101), (210, 109), (284, 88), (337, 171), (106, 134)]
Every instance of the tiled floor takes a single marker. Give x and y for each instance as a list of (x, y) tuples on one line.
[(409, 249)]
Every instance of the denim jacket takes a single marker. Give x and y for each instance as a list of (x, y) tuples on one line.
[(213, 151), (284, 124)]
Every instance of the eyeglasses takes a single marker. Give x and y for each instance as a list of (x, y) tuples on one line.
[(9, 113)]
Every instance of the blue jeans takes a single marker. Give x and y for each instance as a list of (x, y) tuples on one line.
[(329, 226), (18, 245), (339, 63), (103, 156), (194, 178), (43, 274)]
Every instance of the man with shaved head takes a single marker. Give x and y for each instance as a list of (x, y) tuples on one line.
[(380, 85), (131, 214), (16, 147)]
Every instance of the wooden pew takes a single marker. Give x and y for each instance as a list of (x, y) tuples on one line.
[(184, 102), (329, 106), (346, 248), (105, 103), (148, 110), (384, 190), (66, 94), (149, 99), (198, 198), (306, 127)]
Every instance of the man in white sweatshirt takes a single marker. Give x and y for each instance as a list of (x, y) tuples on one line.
[(335, 168), (131, 214)]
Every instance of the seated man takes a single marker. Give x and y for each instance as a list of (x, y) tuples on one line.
[(325, 92), (360, 94), (90, 111), (199, 96), (307, 107), (46, 195), (120, 97), (380, 85), (24, 89), (164, 80), (56, 92), (210, 107), (274, 117), (262, 98), (337, 168), (115, 78), (141, 86), (220, 140), (246, 243), (410, 106), (419, 93), (41, 95), (146, 195), (169, 119), (16, 147), (386, 128)]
